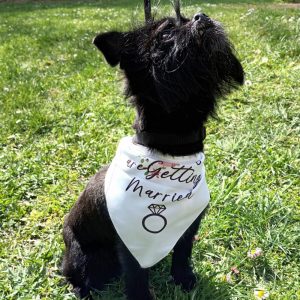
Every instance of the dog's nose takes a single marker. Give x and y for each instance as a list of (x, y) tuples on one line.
[(200, 17)]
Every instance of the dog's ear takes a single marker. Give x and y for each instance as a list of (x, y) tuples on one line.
[(237, 72), (229, 68), (110, 44)]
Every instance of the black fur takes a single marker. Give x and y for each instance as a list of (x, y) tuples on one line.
[(175, 72)]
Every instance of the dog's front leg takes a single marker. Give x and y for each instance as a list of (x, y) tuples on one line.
[(181, 269), (136, 278)]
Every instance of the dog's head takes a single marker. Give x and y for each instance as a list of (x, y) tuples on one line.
[(175, 64)]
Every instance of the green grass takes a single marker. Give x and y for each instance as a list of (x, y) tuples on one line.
[(62, 113)]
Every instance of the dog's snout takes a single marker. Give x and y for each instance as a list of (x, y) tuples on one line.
[(200, 17)]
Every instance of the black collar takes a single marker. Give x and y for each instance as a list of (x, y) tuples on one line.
[(147, 138)]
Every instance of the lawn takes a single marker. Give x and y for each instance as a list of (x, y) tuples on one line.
[(62, 113)]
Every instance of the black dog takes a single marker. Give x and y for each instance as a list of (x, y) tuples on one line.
[(175, 69)]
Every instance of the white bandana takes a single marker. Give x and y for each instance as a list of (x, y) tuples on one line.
[(153, 198)]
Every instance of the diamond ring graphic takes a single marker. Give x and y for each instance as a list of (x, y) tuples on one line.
[(155, 222)]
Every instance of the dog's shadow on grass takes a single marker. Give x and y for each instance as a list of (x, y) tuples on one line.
[(206, 288)]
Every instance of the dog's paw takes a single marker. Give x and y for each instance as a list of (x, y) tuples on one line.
[(185, 278), (82, 292), (141, 297), (146, 295)]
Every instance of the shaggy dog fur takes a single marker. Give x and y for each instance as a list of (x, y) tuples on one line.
[(175, 69)]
